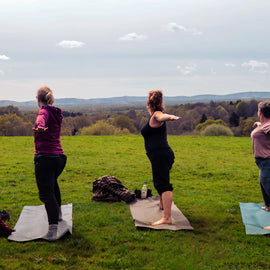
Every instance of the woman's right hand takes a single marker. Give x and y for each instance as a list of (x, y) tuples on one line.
[(256, 124)]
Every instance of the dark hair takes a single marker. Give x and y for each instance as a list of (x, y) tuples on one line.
[(264, 108), (45, 95), (155, 101)]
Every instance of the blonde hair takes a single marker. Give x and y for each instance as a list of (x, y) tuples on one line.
[(45, 95), (155, 101)]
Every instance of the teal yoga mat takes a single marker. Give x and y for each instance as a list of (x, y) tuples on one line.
[(254, 218)]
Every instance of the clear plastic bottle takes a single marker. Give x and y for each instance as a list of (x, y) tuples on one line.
[(144, 191)]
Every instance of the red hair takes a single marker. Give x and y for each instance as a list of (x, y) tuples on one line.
[(155, 101)]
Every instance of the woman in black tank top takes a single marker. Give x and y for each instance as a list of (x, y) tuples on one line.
[(159, 152)]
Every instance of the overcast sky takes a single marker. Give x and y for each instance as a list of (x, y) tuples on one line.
[(109, 48)]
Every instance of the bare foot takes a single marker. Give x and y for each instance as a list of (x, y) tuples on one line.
[(162, 221), (266, 208), (266, 228)]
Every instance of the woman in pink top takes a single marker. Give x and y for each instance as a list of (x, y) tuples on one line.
[(261, 149), (50, 159)]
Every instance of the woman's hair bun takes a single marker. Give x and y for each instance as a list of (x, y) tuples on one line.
[(45, 95)]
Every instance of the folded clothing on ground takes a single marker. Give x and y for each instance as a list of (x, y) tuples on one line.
[(5, 230), (110, 189)]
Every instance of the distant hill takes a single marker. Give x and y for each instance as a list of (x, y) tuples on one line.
[(133, 100)]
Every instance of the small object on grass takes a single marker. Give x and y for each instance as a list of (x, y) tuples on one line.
[(138, 193), (5, 230), (144, 192), (4, 215)]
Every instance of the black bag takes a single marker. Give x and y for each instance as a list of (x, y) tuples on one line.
[(138, 193), (4, 215)]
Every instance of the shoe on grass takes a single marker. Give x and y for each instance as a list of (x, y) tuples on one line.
[(52, 232)]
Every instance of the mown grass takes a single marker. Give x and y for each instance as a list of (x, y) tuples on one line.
[(211, 175)]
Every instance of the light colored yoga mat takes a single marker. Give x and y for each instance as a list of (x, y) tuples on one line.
[(146, 211), (33, 223), (254, 218)]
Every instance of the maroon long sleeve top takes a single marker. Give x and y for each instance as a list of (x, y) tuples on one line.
[(48, 143)]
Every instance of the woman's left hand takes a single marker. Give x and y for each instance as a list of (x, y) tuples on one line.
[(174, 117), (40, 129)]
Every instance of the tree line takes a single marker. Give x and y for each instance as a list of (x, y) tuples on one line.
[(229, 118)]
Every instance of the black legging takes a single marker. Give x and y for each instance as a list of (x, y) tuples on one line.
[(161, 161), (47, 170)]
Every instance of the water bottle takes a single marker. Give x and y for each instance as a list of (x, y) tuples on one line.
[(144, 192)]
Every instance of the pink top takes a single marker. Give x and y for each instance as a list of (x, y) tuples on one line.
[(261, 141), (48, 143)]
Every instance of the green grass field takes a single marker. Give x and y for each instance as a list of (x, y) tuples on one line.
[(211, 175)]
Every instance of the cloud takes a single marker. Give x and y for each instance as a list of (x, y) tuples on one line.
[(188, 69), (132, 36), (4, 57), (256, 66), (213, 72), (229, 65), (2, 73), (70, 44), (174, 27)]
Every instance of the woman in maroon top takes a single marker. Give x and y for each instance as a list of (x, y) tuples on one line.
[(50, 159), (159, 152), (261, 149)]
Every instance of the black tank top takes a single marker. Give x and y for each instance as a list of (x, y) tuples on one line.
[(154, 138)]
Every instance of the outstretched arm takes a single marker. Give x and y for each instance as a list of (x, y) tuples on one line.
[(40, 125), (163, 117)]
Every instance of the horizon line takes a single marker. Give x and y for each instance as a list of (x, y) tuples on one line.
[(133, 96)]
